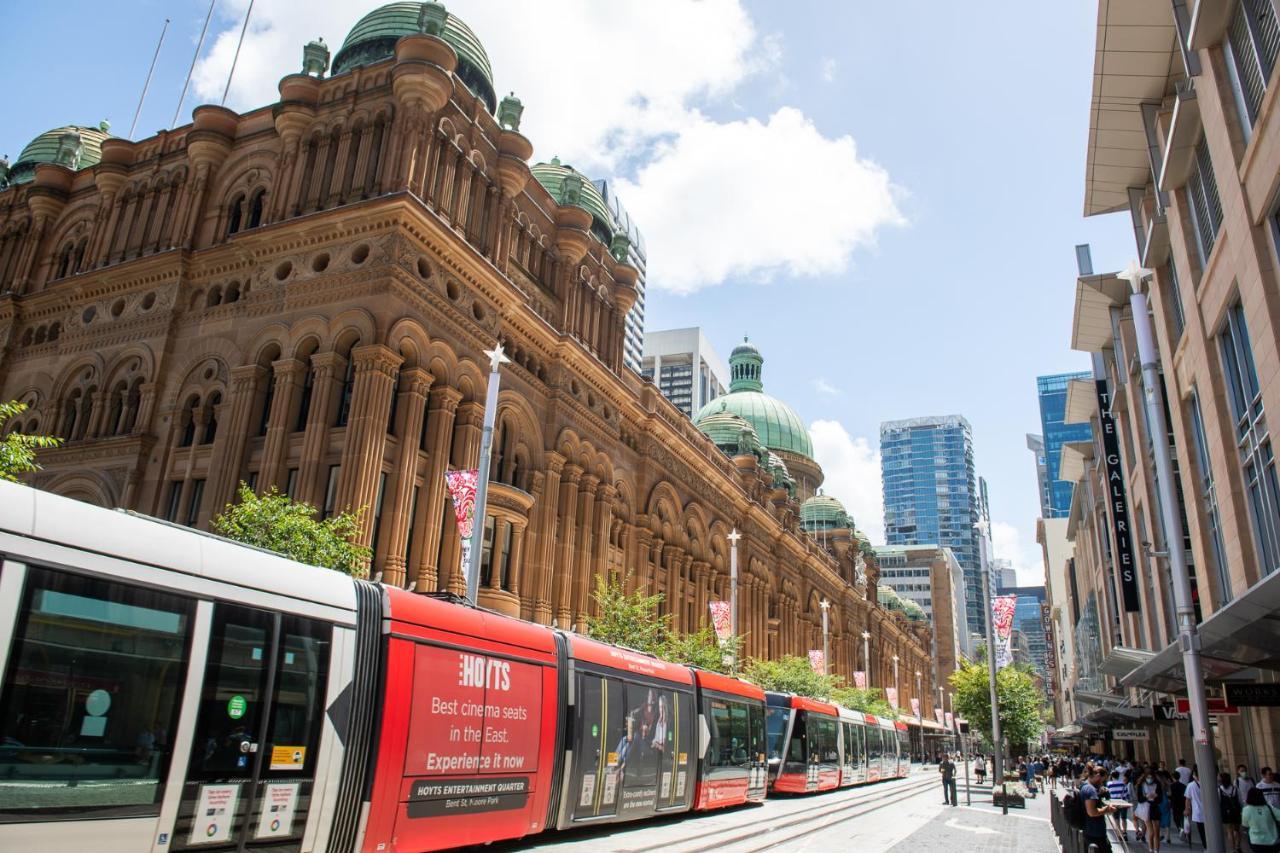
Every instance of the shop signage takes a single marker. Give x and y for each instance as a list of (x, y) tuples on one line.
[(1128, 734), (1123, 539), (1254, 694), (1217, 706)]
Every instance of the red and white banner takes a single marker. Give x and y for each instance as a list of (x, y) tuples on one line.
[(721, 619), (462, 490), (818, 661), (951, 721), (860, 679), (891, 693), (1002, 608), (915, 706), (937, 713)]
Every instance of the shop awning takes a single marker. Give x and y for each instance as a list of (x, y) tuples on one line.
[(1122, 661), (1236, 642)]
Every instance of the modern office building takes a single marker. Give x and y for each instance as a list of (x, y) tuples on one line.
[(1028, 624), (1054, 432), (1003, 577), (931, 577), (685, 367), (1035, 443), (637, 256), (931, 494)]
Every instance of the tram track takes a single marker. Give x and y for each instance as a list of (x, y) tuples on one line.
[(812, 819)]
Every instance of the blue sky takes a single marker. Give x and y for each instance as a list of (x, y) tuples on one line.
[(884, 196)]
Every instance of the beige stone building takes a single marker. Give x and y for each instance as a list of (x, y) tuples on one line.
[(1184, 134), (300, 296)]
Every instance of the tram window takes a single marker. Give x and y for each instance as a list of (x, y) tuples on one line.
[(756, 723), (301, 672), (824, 745), (776, 729), (730, 734), (91, 696), (796, 751), (231, 707)]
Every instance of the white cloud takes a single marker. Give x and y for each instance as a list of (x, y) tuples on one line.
[(1007, 543), (822, 386), (620, 90), (829, 69), (722, 201), (851, 468)]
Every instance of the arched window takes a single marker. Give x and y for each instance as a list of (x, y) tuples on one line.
[(131, 402), (86, 407), (255, 208), (211, 428), (235, 215), (348, 387), (233, 293), (115, 410), (214, 298), (79, 259), (70, 413), (54, 331), (187, 436), (64, 261), (304, 404)]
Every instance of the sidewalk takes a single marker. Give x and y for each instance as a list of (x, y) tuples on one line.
[(982, 828)]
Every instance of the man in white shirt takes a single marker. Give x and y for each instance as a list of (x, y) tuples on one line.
[(1183, 771), (1270, 788), (1244, 783), (1195, 806)]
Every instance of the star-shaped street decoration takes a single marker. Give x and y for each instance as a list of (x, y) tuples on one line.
[(1134, 274), (825, 604), (496, 358), (734, 536)]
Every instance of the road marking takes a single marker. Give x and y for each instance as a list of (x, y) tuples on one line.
[(980, 830)]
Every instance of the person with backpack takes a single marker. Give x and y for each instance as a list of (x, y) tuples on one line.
[(1086, 810), (1229, 803), (1262, 820), (1118, 789)]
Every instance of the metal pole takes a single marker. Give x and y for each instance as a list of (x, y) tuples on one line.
[(147, 84), (968, 785), (826, 646), (997, 759), (733, 593), (496, 358), (866, 656), (897, 684), (236, 59), (192, 70), (1188, 637)]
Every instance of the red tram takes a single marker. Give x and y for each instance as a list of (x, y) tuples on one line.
[(167, 690)]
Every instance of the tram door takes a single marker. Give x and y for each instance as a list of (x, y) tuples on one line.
[(253, 756)]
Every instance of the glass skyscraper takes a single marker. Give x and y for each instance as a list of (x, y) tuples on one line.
[(931, 497), (1053, 408)]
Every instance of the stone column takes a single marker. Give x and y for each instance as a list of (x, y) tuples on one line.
[(327, 371), (228, 454), (413, 396), (565, 536), (467, 432), (583, 558), (375, 374), (287, 373), (443, 403), (598, 564), (539, 590), (702, 577), (515, 563)]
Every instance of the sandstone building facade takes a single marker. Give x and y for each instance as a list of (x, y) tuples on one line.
[(300, 296)]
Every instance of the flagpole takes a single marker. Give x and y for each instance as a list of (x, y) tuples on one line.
[(733, 594), (496, 358)]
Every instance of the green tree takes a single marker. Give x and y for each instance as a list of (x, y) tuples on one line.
[(18, 450), (702, 649), (278, 523), (1021, 704), (790, 674), (869, 700), (628, 619)]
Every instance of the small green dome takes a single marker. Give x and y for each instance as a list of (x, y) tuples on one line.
[(551, 176), (725, 429), (823, 512), (60, 145), (374, 38), (778, 426)]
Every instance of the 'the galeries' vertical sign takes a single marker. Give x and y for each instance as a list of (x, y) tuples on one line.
[(1123, 539)]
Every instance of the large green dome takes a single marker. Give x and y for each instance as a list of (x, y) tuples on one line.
[(551, 176), (777, 425), (75, 146), (823, 512), (374, 38)]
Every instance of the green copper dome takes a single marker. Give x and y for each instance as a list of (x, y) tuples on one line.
[(823, 512), (74, 146), (778, 426), (374, 38), (552, 176)]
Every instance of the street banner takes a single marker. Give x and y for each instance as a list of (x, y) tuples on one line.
[(937, 714), (951, 721), (721, 619), (860, 679), (1122, 541), (817, 661), (462, 490), (891, 693), (1002, 608), (915, 706)]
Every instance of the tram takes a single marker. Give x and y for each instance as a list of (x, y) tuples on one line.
[(167, 690)]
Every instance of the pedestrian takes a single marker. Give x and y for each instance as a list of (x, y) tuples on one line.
[(1183, 771), (1229, 803), (1262, 820), (1178, 802), (1244, 783), (1166, 806), (980, 769), (1095, 812), (1270, 787), (1195, 808), (947, 768), (1118, 789), (1147, 811)]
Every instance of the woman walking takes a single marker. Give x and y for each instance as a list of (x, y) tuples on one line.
[(980, 769), (1166, 806), (1229, 803), (1262, 822), (1150, 796)]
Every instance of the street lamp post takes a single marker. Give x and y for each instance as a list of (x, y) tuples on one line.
[(496, 359), (826, 645), (1188, 636), (897, 687), (733, 593), (866, 656), (997, 758), (919, 713)]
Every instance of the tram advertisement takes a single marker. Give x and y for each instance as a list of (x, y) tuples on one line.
[(475, 717)]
